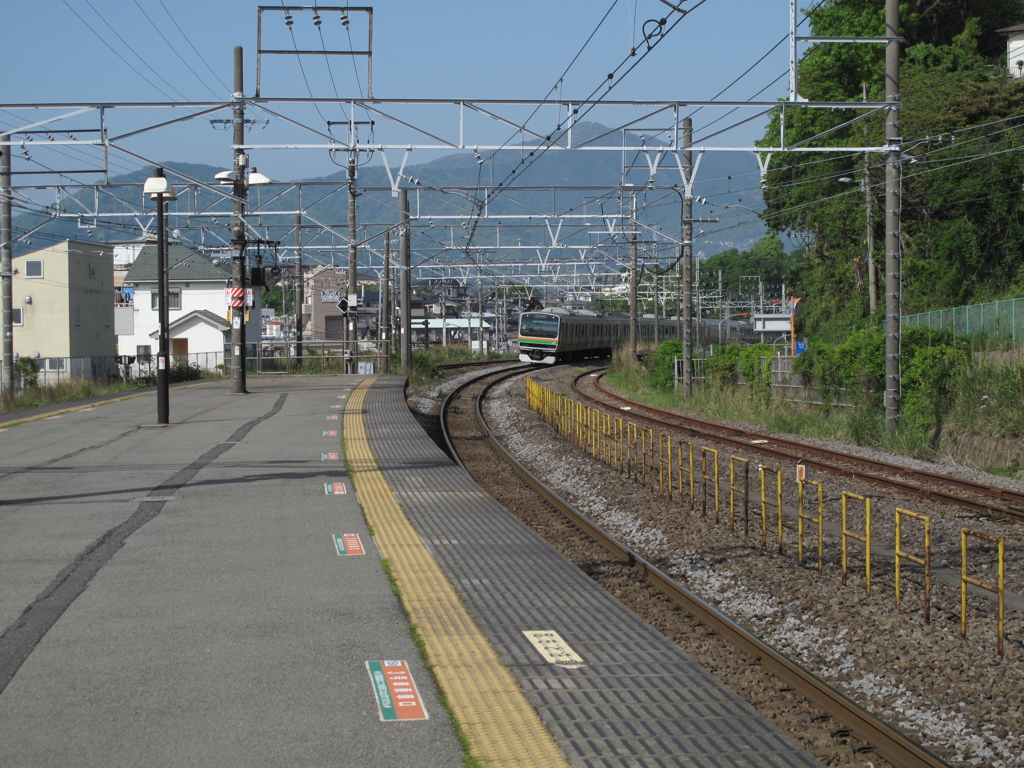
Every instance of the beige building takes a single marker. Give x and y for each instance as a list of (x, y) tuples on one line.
[(63, 301)]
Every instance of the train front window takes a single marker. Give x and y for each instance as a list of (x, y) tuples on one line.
[(539, 326)]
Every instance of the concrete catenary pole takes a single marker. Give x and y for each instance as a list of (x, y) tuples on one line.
[(633, 280), (6, 268), (404, 247), (687, 233), (351, 322), (299, 289), (385, 306), (238, 233), (893, 132), (869, 215)]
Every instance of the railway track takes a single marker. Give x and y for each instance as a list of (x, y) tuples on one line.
[(965, 494), (887, 741)]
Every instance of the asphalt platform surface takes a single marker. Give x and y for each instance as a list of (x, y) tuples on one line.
[(174, 596)]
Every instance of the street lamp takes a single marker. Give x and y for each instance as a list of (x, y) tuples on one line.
[(159, 189)]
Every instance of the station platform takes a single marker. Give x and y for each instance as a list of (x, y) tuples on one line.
[(221, 591)]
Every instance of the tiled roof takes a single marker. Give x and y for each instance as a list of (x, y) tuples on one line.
[(183, 263)]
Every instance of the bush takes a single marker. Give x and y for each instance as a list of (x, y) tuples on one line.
[(27, 370), (722, 368), (184, 372), (662, 364)]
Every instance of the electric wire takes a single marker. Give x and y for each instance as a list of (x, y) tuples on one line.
[(128, 47), (194, 49), (174, 50)]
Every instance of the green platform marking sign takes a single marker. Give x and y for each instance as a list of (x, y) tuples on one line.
[(335, 489), (330, 433), (332, 456), (397, 696)]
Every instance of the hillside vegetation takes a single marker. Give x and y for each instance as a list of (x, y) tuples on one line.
[(962, 205)]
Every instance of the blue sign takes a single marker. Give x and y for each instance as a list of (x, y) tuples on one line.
[(800, 347)]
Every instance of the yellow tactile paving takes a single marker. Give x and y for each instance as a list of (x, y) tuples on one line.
[(502, 728)]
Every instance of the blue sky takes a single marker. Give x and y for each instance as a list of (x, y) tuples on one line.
[(93, 51)]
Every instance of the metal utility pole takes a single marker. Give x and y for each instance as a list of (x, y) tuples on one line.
[(869, 214), (893, 267), (385, 306), (299, 289), (238, 233), (6, 267), (403, 281), (687, 236), (352, 321), (633, 280)]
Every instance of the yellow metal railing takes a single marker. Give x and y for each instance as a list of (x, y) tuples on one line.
[(865, 538), (818, 519), (734, 489), (996, 588), (766, 503), (685, 467), (925, 560), (631, 450), (704, 478)]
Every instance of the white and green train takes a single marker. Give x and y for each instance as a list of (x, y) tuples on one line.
[(553, 336)]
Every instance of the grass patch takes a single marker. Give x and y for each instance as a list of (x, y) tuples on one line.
[(64, 392), (1012, 472)]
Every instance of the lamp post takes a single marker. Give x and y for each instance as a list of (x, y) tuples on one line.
[(158, 188)]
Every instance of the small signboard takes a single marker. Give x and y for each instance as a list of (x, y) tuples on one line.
[(332, 456), (800, 347), (348, 544), (397, 696), (554, 649), (335, 489)]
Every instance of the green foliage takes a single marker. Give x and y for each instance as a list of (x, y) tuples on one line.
[(662, 364), (755, 367), (26, 370), (767, 259), (723, 366), (962, 212), (184, 372)]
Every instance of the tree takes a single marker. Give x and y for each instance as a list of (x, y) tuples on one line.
[(961, 219)]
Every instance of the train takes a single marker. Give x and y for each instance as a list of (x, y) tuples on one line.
[(557, 335)]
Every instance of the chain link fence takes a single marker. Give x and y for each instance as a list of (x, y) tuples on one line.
[(1004, 319)]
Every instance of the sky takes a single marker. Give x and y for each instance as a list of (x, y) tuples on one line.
[(121, 51)]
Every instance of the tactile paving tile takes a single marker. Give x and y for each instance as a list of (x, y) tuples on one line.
[(639, 700)]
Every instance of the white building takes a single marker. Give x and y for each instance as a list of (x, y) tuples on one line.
[(199, 329), (1014, 49)]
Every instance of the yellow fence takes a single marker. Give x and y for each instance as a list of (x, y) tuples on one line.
[(650, 458)]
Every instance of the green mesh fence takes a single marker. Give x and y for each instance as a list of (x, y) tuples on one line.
[(997, 318)]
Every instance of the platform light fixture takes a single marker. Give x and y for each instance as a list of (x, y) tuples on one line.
[(159, 189)]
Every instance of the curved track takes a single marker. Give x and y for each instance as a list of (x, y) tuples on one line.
[(976, 497), (889, 742)]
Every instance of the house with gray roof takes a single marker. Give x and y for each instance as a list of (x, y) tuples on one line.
[(199, 326)]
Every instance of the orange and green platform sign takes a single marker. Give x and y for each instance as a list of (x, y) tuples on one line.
[(348, 544), (397, 696)]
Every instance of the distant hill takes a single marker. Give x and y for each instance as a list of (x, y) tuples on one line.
[(723, 178)]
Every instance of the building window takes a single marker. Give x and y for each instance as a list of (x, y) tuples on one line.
[(173, 299), (144, 352), (33, 267), (54, 364), (16, 316)]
